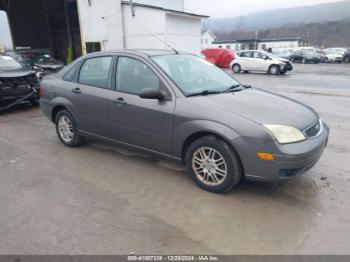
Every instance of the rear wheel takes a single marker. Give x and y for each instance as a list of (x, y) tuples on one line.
[(273, 70), (66, 129), (213, 164), (236, 68)]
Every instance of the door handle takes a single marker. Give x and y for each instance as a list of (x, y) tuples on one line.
[(120, 101), (76, 90)]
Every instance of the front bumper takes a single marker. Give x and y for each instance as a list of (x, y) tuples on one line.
[(291, 160)]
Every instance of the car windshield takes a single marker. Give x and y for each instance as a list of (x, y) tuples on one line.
[(195, 75), (8, 62), (308, 52), (271, 55)]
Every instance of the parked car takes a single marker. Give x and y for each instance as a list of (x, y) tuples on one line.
[(37, 60), (323, 56), (328, 56), (256, 60), (305, 56), (182, 107), (283, 53), (17, 83), (220, 57), (346, 56), (340, 50)]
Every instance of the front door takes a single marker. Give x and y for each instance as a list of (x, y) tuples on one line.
[(146, 123)]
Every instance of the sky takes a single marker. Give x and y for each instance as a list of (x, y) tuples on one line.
[(232, 8)]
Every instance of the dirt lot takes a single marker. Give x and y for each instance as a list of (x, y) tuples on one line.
[(99, 199)]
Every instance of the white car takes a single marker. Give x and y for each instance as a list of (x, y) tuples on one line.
[(333, 57), (256, 60), (340, 50)]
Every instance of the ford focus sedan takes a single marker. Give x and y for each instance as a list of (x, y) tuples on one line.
[(181, 107)]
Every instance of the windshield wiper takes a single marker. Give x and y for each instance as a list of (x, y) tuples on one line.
[(233, 88), (204, 93)]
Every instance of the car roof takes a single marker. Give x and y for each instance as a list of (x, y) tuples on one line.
[(140, 52)]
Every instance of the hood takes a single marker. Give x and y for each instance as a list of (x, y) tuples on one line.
[(283, 60), (262, 107), (50, 65), (16, 72)]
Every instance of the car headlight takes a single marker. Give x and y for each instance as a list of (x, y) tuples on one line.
[(285, 134)]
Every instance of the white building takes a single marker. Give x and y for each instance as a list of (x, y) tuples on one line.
[(93, 25), (261, 44), (207, 39)]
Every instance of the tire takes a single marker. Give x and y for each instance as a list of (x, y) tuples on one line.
[(292, 60), (210, 178), (34, 102), (71, 138), (236, 68), (273, 70), (303, 61), (326, 60)]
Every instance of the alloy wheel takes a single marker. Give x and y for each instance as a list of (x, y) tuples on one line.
[(209, 166), (65, 129)]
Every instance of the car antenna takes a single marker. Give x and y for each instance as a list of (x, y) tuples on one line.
[(156, 37)]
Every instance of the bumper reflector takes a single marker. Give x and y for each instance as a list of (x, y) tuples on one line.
[(265, 156)]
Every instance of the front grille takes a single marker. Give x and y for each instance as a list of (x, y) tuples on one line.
[(17, 84), (314, 130)]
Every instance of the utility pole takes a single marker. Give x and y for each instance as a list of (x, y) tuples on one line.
[(132, 8)]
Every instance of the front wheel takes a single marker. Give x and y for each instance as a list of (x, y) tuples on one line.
[(213, 164), (273, 70), (236, 68), (66, 129)]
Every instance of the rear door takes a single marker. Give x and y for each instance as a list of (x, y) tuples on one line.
[(246, 60), (146, 123), (91, 94)]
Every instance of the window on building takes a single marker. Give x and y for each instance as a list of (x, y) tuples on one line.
[(228, 47), (94, 71), (133, 76), (206, 41), (93, 47)]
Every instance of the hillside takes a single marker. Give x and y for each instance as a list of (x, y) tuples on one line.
[(279, 17), (324, 34)]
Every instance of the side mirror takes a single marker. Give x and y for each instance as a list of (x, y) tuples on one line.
[(152, 93)]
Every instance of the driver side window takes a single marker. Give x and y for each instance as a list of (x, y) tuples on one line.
[(133, 75)]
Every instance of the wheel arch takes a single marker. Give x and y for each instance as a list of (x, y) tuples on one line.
[(60, 103), (195, 136)]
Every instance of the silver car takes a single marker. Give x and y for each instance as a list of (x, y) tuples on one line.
[(181, 107)]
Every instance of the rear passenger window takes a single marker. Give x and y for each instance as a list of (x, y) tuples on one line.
[(94, 71), (70, 76), (133, 76)]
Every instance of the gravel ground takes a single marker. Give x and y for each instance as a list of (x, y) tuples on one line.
[(100, 199)]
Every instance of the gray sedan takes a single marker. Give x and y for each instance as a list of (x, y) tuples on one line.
[(181, 107)]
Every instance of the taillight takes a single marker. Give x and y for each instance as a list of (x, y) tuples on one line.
[(41, 92)]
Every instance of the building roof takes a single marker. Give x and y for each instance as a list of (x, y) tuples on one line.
[(257, 40), (165, 9)]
